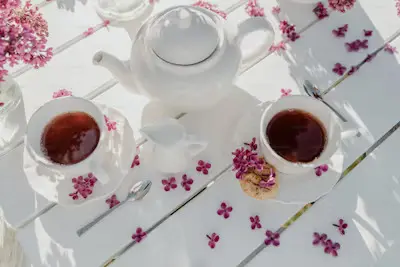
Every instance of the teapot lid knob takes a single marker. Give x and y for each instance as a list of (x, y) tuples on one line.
[(184, 35)]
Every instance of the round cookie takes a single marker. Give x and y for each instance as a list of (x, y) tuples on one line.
[(251, 180)]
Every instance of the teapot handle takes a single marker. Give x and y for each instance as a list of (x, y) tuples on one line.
[(249, 26), (195, 145)]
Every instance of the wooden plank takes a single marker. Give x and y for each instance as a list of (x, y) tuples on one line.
[(368, 200)]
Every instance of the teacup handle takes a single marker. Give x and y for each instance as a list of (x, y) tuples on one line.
[(248, 26), (195, 145), (99, 172)]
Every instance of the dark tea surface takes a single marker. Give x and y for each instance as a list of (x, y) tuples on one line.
[(296, 136), (70, 138)]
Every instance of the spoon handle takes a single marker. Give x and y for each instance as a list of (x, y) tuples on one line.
[(85, 228), (334, 110)]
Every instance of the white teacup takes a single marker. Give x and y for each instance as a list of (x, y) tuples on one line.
[(48, 112), (319, 111)]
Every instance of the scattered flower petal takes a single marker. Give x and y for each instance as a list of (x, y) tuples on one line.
[(61, 93), (369, 58), (320, 11), (106, 23), (186, 182), (321, 169), (272, 238), (255, 222), (112, 201), (286, 92), (341, 31), (253, 9), (341, 225), (276, 10), (224, 210), (135, 162), (339, 69), (213, 239), (353, 70), (341, 5), (390, 49), (203, 167), (319, 239), (368, 33), (88, 32), (111, 125), (289, 30), (139, 235), (281, 46), (331, 248), (169, 183)]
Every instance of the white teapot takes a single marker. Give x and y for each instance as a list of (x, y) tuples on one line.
[(187, 57)]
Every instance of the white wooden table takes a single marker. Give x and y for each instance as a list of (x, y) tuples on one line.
[(176, 222)]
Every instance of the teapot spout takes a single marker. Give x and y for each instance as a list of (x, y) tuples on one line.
[(118, 68)]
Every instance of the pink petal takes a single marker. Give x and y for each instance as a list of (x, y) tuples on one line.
[(275, 242), (198, 168), (173, 186), (200, 163), (268, 242), (226, 215), (164, 182), (216, 238), (229, 209), (205, 171), (220, 212), (334, 253), (223, 205), (208, 165)]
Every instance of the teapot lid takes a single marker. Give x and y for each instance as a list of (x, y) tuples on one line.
[(184, 36)]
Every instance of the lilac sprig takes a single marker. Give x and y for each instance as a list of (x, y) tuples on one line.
[(23, 36), (246, 159)]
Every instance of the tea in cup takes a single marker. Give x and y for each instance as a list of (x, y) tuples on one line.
[(298, 133), (66, 135)]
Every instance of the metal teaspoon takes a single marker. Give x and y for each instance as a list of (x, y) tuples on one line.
[(137, 192), (312, 91)]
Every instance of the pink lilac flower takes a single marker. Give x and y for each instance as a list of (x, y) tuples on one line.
[(331, 248), (341, 5), (203, 166), (23, 36), (139, 235), (224, 210), (270, 182), (255, 222), (135, 162), (353, 69), (61, 93), (111, 125), (253, 9), (106, 23), (186, 182), (341, 225), (286, 92), (390, 49), (369, 58), (341, 31), (398, 7), (320, 11), (1, 104), (356, 45), (83, 186), (169, 183), (321, 169), (276, 10), (368, 33), (211, 7), (253, 144), (88, 32), (339, 69), (281, 46), (213, 239), (289, 30), (272, 238), (112, 201), (319, 239)]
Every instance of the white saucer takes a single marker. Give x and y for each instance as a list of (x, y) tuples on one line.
[(120, 151), (293, 189)]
